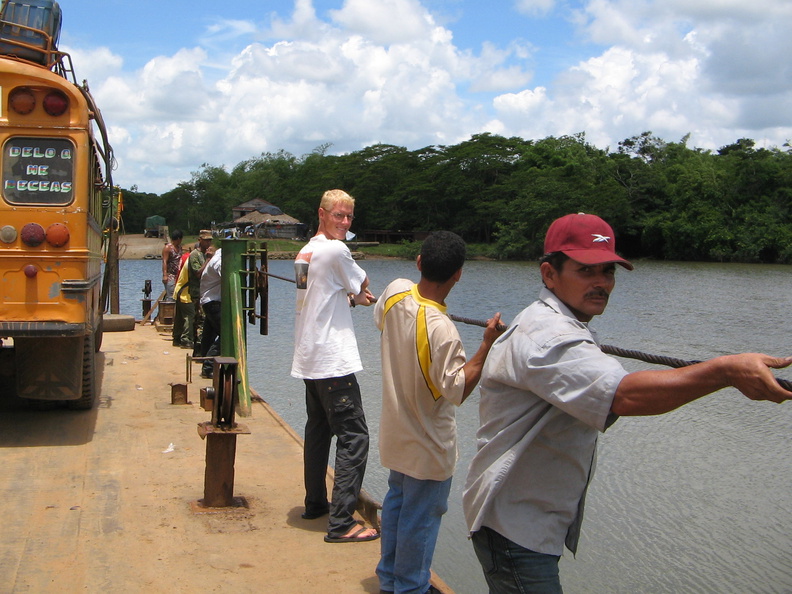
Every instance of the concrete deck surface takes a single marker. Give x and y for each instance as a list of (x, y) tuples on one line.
[(104, 500)]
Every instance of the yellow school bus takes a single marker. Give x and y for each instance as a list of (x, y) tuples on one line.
[(56, 165)]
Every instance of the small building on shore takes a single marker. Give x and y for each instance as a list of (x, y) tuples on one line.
[(240, 210), (262, 220)]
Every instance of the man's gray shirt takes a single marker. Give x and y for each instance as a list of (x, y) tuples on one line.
[(546, 393)]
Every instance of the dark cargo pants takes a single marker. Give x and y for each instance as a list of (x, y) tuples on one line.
[(335, 408)]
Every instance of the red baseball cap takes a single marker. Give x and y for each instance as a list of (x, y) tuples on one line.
[(585, 238)]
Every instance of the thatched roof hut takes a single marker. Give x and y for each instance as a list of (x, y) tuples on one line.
[(256, 217)]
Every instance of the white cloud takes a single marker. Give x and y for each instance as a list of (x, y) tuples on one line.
[(534, 7), (338, 86), (617, 95), (303, 24), (94, 64), (718, 70), (492, 72), (385, 21), (227, 30), (753, 12), (528, 103)]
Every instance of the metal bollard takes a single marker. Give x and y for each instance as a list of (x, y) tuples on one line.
[(146, 298), (220, 434), (179, 394)]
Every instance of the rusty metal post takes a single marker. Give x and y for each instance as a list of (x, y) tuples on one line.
[(179, 394), (219, 475), (220, 434)]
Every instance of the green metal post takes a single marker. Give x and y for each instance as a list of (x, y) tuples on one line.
[(233, 338)]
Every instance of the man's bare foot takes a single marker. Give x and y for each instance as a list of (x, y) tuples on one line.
[(356, 533)]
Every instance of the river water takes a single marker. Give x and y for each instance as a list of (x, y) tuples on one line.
[(698, 500)]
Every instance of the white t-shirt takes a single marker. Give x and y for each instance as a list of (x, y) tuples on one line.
[(210, 279), (324, 337)]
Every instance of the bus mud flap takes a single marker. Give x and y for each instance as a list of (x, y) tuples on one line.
[(49, 368)]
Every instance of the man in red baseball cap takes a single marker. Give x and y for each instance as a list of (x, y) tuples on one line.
[(547, 391), (589, 243), (585, 238)]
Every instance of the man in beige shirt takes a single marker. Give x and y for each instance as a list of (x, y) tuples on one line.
[(425, 376)]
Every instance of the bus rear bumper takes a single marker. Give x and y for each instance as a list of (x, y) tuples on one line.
[(41, 329)]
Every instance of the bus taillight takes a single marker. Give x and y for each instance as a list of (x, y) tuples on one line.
[(33, 234), (56, 103), (22, 100), (57, 235)]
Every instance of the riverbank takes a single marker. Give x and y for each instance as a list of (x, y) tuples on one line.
[(138, 247)]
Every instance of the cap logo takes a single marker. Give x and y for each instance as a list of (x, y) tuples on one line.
[(600, 238)]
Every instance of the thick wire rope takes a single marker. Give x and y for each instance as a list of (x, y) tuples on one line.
[(628, 353)]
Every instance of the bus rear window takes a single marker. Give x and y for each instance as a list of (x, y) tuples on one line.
[(38, 171)]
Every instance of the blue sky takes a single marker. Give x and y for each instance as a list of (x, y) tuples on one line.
[(185, 83)]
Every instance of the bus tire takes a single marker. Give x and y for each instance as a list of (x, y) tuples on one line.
[(86, 400)]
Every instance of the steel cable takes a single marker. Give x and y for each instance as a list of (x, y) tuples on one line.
[(606, 348), (620, 352)]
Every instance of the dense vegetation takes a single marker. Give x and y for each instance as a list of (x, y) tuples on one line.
[(664, 200)]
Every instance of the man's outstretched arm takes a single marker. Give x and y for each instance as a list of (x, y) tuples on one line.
[(654, 392)]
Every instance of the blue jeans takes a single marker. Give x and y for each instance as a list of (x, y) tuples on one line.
[(512, 569), (169, 285), (411, 514)]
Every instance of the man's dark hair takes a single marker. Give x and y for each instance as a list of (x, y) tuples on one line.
[(176, 234), (556, 259), (442, 254)]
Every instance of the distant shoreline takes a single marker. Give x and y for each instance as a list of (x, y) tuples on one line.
[(137, 247)]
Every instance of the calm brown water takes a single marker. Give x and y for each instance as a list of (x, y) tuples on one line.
[(699, 500)]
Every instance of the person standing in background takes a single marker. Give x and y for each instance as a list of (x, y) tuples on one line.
[(171, 256), (196, 264), (210, 287), (182, 333), (326, 358)]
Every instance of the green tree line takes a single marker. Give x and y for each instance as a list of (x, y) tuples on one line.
[(664, 200)]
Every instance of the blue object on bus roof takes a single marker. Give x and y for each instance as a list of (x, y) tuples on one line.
[(30, 29)]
